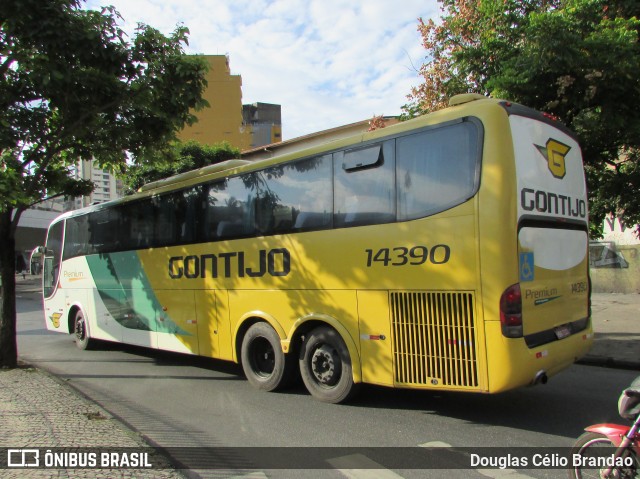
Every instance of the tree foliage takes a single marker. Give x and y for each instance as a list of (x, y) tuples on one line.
[(182, 157), (576, 59), (73, 86)]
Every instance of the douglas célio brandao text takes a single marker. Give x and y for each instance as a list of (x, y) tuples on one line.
[(547, 460)]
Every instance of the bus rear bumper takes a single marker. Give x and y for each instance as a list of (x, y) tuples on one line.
[(513, 364)]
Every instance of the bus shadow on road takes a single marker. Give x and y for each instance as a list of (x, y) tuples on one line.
[(168, 358), (561, 408)]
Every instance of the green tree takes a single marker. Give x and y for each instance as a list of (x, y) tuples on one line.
[(74, 88), (576, 59), (180, 158)]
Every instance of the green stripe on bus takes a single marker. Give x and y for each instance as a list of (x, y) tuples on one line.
[(127, 294)]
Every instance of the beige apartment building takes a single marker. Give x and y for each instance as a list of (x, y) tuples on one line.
[(226, 118)]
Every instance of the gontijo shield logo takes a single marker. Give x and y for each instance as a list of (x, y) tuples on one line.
[(55, 319), (555, 152)]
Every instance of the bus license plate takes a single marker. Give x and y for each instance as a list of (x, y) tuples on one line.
[(562, 332)]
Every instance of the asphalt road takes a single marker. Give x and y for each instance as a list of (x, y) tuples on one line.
[(176, 400)]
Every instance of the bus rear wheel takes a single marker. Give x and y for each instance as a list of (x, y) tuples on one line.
[(81, 333), (264, 363), (325, 366)]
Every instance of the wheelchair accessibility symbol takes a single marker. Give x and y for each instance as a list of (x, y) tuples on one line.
[(526, 267)]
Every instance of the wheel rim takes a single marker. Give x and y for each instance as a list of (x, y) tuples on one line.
[(326, 365), (80, 332), (262, 358), (588, 449)]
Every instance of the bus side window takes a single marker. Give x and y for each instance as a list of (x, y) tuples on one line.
[(266, 206), (104, 230), (309, 220), (437, 169), (76, 241), (209, 203), (296, 196), (231, 208), (186, 212), (164, 221), (364, 185), (140, 224)]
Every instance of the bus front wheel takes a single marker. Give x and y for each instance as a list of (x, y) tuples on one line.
[(263, 361), (325, 366), (80, 332)]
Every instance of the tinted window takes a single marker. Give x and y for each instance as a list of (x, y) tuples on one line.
[(137, 224), (177, 217), (400, 179), (364, 183), (76, 242), (231, 207), (296, 196), (104, 231), (437, 169), (165, 219)]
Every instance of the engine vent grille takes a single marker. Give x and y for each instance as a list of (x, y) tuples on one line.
[(434, 338)]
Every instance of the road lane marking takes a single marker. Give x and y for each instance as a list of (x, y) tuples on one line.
[(435, 444), (359, 466), (252, 475), (503, 474)]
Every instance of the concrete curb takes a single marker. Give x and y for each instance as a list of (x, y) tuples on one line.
[(609, 362)]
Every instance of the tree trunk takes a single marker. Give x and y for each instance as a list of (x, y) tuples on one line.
[(8, 344)]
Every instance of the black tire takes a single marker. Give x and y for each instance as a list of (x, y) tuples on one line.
[(81, 332), (325, 366), (592, 444), (264, 363)]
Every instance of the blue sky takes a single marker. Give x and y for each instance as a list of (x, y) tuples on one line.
[(327, 62)]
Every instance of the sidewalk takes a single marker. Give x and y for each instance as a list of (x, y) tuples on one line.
[(39, 410), (616, 323)]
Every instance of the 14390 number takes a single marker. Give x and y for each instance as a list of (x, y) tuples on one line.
[(403, 255)]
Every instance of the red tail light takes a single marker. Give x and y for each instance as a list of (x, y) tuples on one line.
[(511, 312)]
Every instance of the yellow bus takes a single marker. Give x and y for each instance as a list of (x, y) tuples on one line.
[(448, 252)]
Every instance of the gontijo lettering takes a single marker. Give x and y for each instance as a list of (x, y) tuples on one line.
[(552, 203), (273, 262)]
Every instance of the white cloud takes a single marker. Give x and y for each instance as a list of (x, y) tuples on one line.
[(327, 62)]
